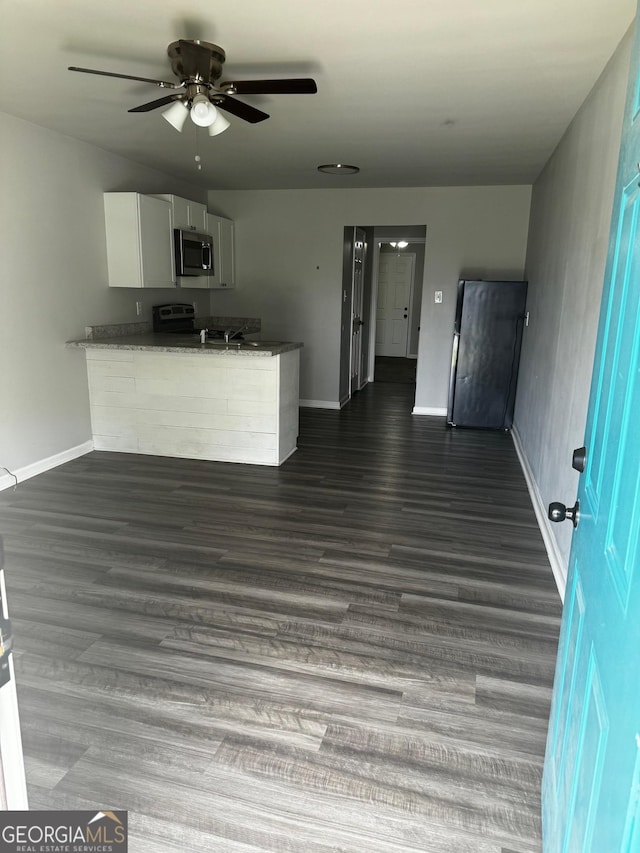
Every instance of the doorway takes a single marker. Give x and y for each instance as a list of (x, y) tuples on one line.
[(398, 272), (361, 281)]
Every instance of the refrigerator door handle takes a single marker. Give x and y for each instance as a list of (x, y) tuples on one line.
[(452, 376)]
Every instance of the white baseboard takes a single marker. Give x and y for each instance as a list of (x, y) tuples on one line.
[(319, 404), (558, 566), (42, 465), (429, 410)]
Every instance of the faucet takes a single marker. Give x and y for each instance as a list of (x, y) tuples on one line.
[(231, 333)]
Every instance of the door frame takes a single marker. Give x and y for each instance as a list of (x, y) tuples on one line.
[(382, 238)]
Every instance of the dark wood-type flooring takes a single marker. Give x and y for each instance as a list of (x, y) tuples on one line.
[(394, 369), (352, 653)]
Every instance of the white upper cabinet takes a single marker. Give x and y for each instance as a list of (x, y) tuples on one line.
[(188, 215), (223, 232), (139, 248)]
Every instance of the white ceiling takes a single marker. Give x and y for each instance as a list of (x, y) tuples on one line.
[(415, 92)]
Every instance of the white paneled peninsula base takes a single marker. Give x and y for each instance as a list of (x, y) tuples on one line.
[(195, 401)]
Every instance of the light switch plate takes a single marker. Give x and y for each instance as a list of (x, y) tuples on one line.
[(438, 297)]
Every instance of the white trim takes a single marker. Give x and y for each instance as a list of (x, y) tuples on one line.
[(429, 410), (42, 465), (320, 404), (558, 566)]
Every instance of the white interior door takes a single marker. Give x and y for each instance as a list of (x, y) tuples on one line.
[(357, 282), (13, 788), (393, 311)]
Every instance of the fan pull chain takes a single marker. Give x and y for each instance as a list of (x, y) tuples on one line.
[(197, 157)]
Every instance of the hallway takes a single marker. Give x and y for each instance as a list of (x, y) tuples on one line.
[(352, 652)]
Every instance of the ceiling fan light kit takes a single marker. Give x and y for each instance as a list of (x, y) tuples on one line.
[(203, 113), (219, 125), (198, 65), (176, 114)]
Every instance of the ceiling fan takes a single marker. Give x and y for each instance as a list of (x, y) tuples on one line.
[(198, 65)]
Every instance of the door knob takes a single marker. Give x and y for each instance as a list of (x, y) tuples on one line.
[(559, 512), (579, 459)]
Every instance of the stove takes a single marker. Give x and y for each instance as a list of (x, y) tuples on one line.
[(174, 317), (178, 318)]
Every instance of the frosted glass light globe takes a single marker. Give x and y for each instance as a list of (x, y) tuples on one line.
[(203, 113)]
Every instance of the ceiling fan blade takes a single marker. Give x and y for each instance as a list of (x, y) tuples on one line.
[(161, 83), (237, 108), (196, 60), (153, 105), (292, 86)]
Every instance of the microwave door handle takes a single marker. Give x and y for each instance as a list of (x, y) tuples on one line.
[(207, 257)]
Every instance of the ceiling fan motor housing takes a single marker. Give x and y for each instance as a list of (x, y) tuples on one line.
[(217, 58)]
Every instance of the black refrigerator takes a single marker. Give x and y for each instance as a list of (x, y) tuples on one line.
[(487, 337)]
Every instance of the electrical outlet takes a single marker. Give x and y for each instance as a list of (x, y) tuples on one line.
[(138, 309), (438, 297)]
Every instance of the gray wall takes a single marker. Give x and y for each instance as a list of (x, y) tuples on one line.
[(289, 246), (53, 281), (570, 215)]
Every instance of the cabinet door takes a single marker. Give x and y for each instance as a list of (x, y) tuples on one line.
[(180, 212), (139, 244), (188, 215), (226, 234), (197, 216), (213, 280), (156, 246), (222, 231)]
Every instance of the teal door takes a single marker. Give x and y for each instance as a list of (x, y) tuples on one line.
[(591, 787)]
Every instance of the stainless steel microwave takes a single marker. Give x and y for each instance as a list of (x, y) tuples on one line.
[(194, 253)]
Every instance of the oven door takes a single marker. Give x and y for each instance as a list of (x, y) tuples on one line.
[(194, 253)]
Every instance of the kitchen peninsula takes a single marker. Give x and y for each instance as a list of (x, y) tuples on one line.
[(172, 395)]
